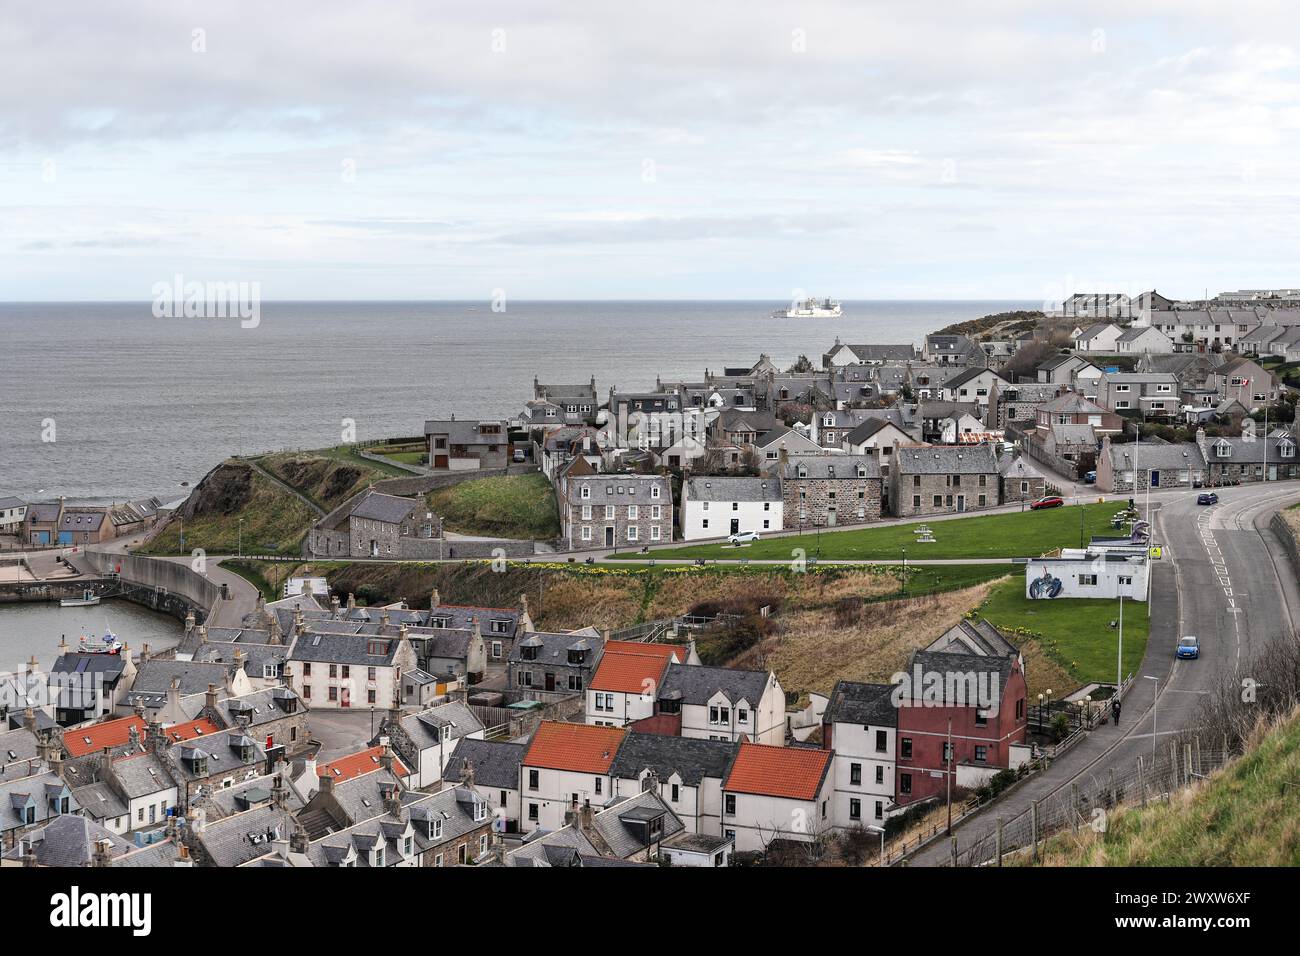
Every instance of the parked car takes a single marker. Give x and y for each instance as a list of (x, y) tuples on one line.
[(1089, 477), (743, 537), (1207, 499), (1051, 501), (519, 455), (1189, 648)]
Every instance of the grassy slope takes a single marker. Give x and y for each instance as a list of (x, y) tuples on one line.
[(1018, 534), (327, 476), (1072, 631), (273, 520), (1247, 814), (510, 506)]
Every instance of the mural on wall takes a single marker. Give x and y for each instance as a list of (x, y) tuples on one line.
[(1046, 587)]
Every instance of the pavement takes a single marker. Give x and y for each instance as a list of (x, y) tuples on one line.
[(1226, 580)]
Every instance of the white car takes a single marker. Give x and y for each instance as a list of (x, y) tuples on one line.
[(743, 537)]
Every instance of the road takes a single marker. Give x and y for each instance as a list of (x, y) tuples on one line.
[(1227, 581)]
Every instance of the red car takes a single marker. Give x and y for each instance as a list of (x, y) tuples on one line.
[(1051, 501)]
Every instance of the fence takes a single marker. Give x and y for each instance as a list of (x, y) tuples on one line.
[(1084, 804)]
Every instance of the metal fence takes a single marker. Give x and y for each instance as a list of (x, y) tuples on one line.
[(1084, 803)]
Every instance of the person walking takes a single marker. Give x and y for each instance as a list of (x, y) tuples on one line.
[(1114, 709)]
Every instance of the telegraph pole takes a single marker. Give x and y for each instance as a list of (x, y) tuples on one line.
[(950, 755)]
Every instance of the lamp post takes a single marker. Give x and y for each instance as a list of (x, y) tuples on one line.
[(1155, 716), (905, 572), (1119, 655), (881, 830), (239, 546)]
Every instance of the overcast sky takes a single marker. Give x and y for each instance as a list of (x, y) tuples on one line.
[(648, 150)]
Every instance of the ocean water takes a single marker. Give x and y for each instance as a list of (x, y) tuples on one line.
[(136, 404)]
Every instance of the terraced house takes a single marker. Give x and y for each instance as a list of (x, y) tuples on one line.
[(615, 510), (375, 525), (944, 479), (831, 490)]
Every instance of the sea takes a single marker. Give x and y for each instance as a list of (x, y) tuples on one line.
[(106, 401), (28, 630)]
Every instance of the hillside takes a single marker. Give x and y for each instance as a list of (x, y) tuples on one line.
[(1247, 814), (507, 506), (234, 506), (328, 476)]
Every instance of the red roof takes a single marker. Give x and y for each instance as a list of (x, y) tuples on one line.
[(793, 772), (117, 733), (583, 748), (634, 668), (354, 765)]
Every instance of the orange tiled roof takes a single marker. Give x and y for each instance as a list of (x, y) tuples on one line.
[(117, 733), (583, 748), (793, 772), (354, 765), (109, 733), (633, 668)]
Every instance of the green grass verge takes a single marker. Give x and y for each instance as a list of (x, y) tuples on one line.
[(1017, 534), (1075, 632), (1245, 815), (508, 506), (274, 521), (267, 576)]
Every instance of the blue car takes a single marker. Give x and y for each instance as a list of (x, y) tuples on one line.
[(1189, 648), (1089, 477), (1207, 499)]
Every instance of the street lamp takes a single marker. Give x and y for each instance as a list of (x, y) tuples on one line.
[(239, 547), (881, 830), (905, 572)]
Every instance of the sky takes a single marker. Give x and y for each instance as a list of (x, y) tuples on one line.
[(594, 150)]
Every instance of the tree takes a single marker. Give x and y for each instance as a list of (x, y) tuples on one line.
[(802, 365)]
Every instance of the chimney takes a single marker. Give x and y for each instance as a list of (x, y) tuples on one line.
[(334, 604), (29, 718), (189, 621), (210, 698), (352, 602), (203, 633), (276, 637), (393, 800), (434, 599), (32, 665), (28, 851), (261, 602), (174, 696), (133, 737), (385, 754), (103, 855), (326, 782), (144, 653), (106, 761), (239, 658), (183, 857)]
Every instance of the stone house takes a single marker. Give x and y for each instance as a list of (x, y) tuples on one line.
[(610, 510), (1020, 480), (1016, 406), (375, 525), (1260, 458), (339, 671), (831, 490), (555, 662), (1123, 467), (945, 479)]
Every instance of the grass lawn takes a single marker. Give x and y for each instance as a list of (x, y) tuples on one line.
[(1074, 632), (509, 506), (1018, 534)]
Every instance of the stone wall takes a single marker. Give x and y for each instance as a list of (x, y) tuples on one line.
[(167, 586), (941, 485), (807, 501)]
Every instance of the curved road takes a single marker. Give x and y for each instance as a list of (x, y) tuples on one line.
[(1228, 582)]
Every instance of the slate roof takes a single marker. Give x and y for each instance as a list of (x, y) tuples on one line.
[(141, 774), (974, 637), (946, 460), (80, 662), (69, 840), (1071, 403), (945, 662), (697, 684), (153, 678), (425, 728), (100, 801), (692, 759), (1157, 457), (713, 488), (17, 753), (827, 467), (1074, 435), (853, 702), (554, 647), (566, 846), (1019, 469), (496, 763), (389, 509), (330, 648), (623, 823), (243, 837)]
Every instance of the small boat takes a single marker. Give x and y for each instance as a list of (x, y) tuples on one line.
[(108, 644), (87, 599)]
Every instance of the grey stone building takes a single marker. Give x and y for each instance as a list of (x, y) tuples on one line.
[(1021, 481), (830, 490), (1016, 406), (615, 510), (555, 662), (945, 479), (375, 525), (467, 445)]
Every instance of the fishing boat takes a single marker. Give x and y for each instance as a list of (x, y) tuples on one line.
[(811, 309), (108, 644), (87, 599)]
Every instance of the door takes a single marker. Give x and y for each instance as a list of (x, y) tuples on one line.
[(830, 516), (1155, 479), (374, 548), (609, 537), (345, 697), (735, 525), (439, 461), (550, 682), (961, 502), (65, 537)]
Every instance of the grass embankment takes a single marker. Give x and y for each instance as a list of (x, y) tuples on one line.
[(409, 451), (1012, 535), (1073, 632), (1246, 814), (328, 476), (506, 506), (235, 507)]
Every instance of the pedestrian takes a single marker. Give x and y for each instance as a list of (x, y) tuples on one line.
[(1114, 709)]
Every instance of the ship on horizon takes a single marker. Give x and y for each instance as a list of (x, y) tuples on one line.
[(811, 309)]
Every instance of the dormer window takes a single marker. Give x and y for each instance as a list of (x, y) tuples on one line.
[(577, 656), (200, 765), (1286, 449), (528, 653), (1223, 449), (803, 472)]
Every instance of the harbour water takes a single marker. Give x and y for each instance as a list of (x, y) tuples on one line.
[(106, 401), (27, 629)]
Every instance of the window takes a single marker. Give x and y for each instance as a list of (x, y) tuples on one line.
[(880, 774), (905, 748), (855, 774), (631, 532), (855, 809), (731, 804), (676, 793), (981, 754), (880, 809), (586, 532), (1088, 580), (533, 781), (947, 752), (905, 783), (742, 715), (599, 784), (532, 812), (981, 719)]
